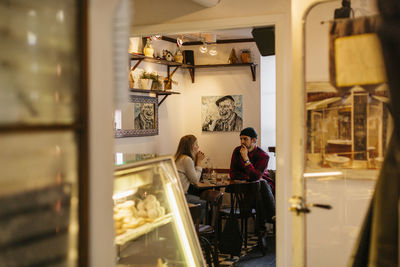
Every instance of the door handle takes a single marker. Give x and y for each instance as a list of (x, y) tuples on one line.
[(322, 206), (299, 206)]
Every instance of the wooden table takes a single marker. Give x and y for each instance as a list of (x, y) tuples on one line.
[(208, 185)]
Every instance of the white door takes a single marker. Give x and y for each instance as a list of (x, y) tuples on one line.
[(340, 137)]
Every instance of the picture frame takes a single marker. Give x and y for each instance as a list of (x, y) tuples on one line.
[(138, 118), (222, 113)]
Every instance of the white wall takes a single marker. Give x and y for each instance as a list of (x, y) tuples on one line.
[(268, 106), (181, 114), (170, 113), (218, 146)]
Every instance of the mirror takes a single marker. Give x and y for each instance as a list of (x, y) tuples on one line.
[(347, 96), (139, 117), (347, 128)]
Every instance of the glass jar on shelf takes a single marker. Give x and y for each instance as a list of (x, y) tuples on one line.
[(178, 56), (246, 56)]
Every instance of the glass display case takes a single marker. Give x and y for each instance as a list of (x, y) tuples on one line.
[(153, 226), (121, 158)]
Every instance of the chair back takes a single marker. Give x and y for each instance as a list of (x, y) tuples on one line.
[(195, 212), (243, 198), (211, 230), (214, 201)]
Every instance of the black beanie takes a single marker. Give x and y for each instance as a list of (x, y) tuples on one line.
[(249, 131)]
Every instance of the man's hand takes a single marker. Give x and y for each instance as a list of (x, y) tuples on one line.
[(244, 153), (208, 120), (207, 125), (199, 158)]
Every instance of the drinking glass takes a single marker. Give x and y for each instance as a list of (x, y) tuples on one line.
[(219, 178), (213, 176)]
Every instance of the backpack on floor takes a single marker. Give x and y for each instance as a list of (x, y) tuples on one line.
[(231, 237)]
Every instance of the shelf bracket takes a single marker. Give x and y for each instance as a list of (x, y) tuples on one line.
[(171, 74), (191, 72), (168, 82), (162, 100), (137, 64), (253, 71)]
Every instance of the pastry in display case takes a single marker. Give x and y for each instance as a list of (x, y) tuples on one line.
[(153, 226)]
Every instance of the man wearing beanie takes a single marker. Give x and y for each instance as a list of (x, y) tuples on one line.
[(249, 162)]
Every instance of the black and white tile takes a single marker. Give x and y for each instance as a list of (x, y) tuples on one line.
[(227, 260)]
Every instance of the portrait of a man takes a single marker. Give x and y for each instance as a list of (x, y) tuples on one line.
[(145, 116), (222, 113)]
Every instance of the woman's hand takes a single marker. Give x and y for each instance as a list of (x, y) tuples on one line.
[(199, 157)]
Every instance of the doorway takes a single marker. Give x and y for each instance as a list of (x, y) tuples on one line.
[(241, 84)]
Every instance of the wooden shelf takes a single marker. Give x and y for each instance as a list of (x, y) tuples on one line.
[(224, 65), (158, 61), (157, 92), (251, 65), (190, 68), (169, 64)]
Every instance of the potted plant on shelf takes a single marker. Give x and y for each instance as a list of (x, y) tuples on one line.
[(149, 81)]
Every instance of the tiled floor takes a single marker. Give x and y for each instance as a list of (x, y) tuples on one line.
[(254, 258), (251, 256), (226, 260)]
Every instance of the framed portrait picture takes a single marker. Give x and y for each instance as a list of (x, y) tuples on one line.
[(138, 118), (222, 113)]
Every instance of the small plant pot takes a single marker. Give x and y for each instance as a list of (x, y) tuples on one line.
[(145, 84), (156, 86)]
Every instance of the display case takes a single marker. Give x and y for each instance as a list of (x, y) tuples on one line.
[(121, 158), (153, 226)]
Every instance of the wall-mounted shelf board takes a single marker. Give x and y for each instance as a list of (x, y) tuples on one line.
[(251, 65), (141, 58), (190, 68), (156, 92)]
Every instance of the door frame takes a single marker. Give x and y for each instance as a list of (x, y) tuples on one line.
[(299, 12), (284, 98)]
